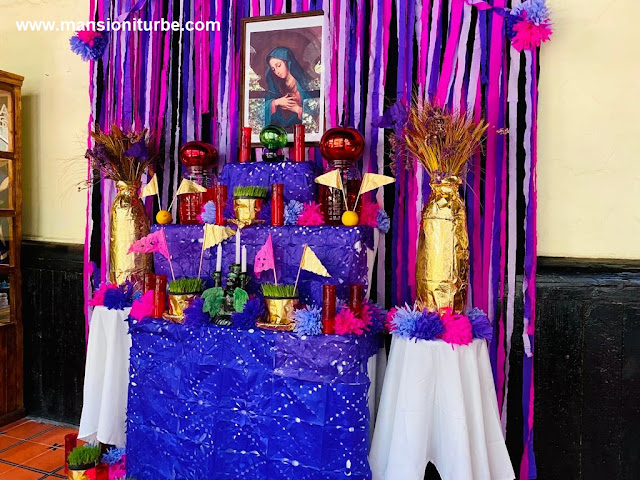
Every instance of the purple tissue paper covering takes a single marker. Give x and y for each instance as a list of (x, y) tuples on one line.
[(342, 250), (226, 404)]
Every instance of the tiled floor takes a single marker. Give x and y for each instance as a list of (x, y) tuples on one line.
[(32, 450)]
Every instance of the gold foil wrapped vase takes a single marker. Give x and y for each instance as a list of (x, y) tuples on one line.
[(177, 305), (442, 268), (246, 210), (82, 474), (279, 313), (129, 223)]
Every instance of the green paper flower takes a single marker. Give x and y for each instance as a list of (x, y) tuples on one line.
[(240, 298), (212, 300)]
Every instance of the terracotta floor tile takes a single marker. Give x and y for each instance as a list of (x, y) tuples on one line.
[(53, 436), (27, 429), (6, 442), (23, 452), (20, 474), (14, 424), (4, 467), (49, 461)]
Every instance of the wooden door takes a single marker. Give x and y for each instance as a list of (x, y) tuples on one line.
[(11, 346)]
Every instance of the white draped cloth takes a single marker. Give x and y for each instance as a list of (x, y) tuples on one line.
[(106, 378), (439, 405)]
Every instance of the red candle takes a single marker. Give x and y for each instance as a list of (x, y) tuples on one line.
[(160, 296), (277, 204), (328, 308), (70, 442), (356, 294), (102, 471), (221, 202), (245, 145), (149, 282), (298, 143)]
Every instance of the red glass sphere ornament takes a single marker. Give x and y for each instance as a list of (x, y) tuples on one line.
[(199, 160), (342, 143)]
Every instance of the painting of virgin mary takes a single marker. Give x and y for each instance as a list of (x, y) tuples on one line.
[(283, 75)]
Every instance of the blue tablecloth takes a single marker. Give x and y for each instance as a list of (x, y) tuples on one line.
[(216, 403)]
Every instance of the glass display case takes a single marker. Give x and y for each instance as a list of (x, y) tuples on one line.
[(11, 345)]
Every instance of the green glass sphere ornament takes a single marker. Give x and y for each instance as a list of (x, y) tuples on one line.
[(273, 138)]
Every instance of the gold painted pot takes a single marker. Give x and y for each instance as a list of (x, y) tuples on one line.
[(279, 313), (178, 302), (82, 473), (246, 210), (442, 268), (129, 223)]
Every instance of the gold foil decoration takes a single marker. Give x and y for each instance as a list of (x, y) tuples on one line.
[(188, 186), (78, 475), (177, 304), (129, 223), (280, 314), (371, 181), (215, 234), (150, 188), (246, 210), (442, 268)]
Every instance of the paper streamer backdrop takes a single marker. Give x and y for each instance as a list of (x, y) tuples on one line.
[(184, 86)]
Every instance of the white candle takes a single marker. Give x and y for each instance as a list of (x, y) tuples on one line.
[(237, 246), (244, 259), (219, 259)]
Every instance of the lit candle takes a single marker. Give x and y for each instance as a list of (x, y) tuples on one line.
[(238, 246), (244, 259), (219, 259)]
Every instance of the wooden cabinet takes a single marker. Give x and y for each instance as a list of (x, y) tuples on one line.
[(11, 347)]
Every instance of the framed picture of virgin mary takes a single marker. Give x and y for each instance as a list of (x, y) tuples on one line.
[(282, 74)]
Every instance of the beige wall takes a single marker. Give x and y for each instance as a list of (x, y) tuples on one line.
[(55, 114), (589, 128), (588, 180)]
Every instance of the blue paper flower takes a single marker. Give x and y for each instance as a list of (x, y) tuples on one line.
[(90, 46), (480, 324), (208, 214), (308, 321), (113, 456), (119, 298), (536, 10), (193, 314), (384, 223), (405, 321), (253, 310), (378, 317), (292, 211), (429, 326)]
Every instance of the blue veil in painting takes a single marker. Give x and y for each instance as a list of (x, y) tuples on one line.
[(277, 88)]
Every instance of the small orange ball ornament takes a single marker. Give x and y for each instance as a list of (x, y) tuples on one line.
[(163, 217), (350, 219)]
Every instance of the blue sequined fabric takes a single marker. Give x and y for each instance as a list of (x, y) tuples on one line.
[(216, 403)]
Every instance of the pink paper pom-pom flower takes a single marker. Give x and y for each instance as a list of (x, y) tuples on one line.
[(369, 214), (528, 35), (389, 323), (98, 296), (311, 214), (347, 323), (457, 328), (143, 307)]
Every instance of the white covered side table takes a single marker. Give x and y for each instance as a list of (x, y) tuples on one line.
[(439, 405), (106, 378)]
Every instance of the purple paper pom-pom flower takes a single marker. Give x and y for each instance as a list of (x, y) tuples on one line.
[(89, 45), (115, 299), (429, 326), (253, 310), (384, 223), (208, 214), (480, 324), (193, 314), (405, 321), (378, 317), (292, 211), (308, 321)]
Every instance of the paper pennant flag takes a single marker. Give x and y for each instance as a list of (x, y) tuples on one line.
[(215, 234), (187, 186), (150, 188), (312, 263), (154, 242), (264, 258), (371, 181), (331, 179)]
